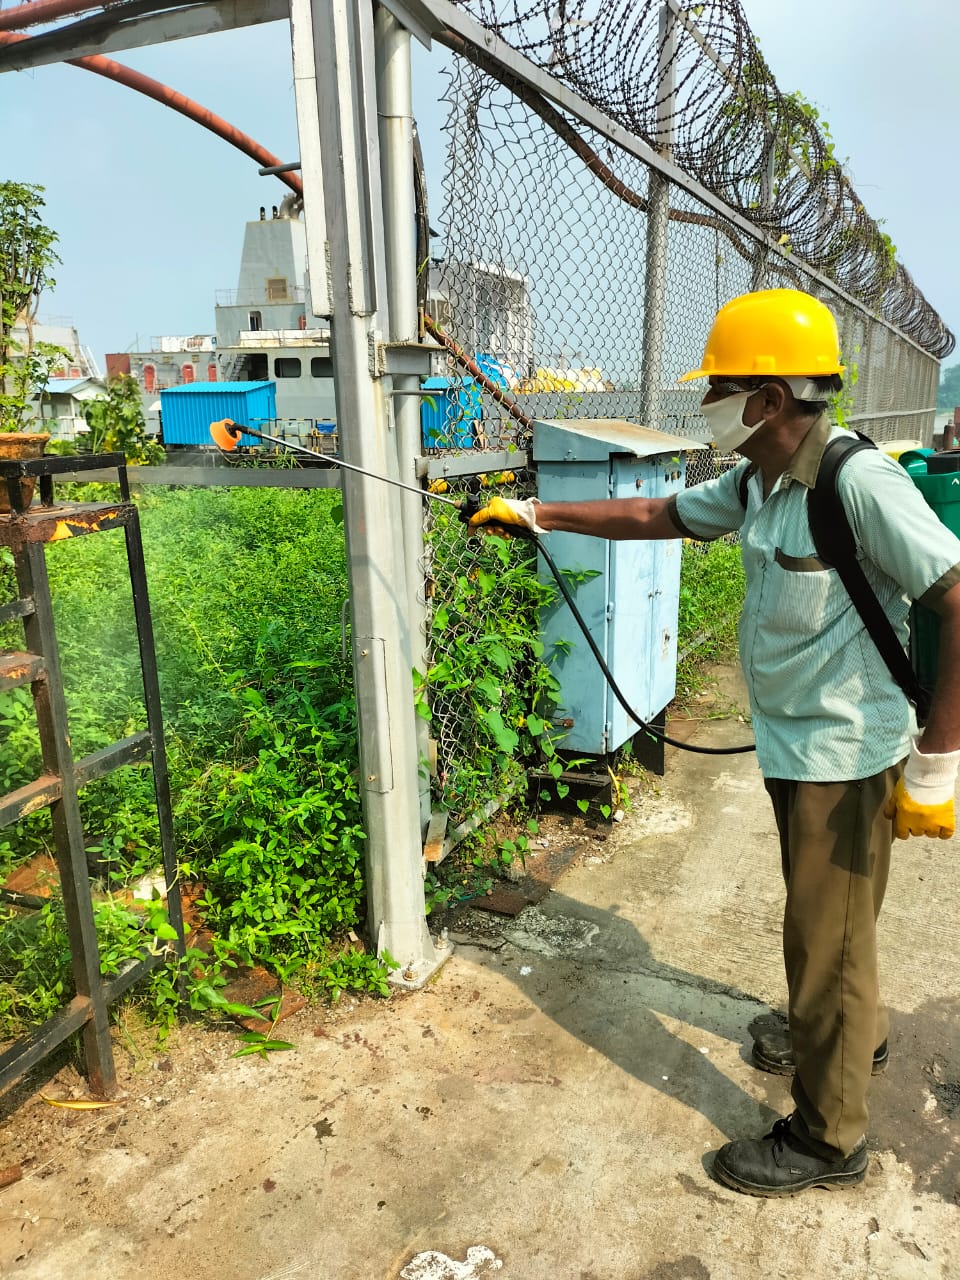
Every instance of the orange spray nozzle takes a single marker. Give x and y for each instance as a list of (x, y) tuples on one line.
[(225, 433)]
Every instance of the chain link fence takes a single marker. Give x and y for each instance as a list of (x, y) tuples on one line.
[(579, 272)]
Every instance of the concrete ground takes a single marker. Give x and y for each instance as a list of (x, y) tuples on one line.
[(546, 1109)]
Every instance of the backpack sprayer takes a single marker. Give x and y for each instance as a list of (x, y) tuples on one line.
[(226, 435)]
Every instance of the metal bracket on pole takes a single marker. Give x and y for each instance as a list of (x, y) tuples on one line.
[(412, 358), (416, 17), (476, 463), (377, 364)]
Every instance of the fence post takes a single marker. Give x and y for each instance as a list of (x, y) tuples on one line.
[(341, 177), (658, 227), (767, 179), (395, 102)]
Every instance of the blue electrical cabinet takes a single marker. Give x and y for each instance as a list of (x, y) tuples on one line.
[(628, 592)]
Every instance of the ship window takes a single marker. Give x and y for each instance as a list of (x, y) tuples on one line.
[(255, 322), (257, 367), (286, 367), (321, 367), (277, 290)]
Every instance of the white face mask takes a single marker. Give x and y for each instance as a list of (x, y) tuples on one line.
[(725, 419)]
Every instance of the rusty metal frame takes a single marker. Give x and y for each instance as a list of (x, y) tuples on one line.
[(26, 532)]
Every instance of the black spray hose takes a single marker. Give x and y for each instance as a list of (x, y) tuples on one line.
[(226, 435), (608, 674)]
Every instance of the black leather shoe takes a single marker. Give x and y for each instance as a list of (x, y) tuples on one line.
[(772, 1052), (779, 1165)]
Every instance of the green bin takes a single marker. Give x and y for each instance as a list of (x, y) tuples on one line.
[(914, 461), (937, 476)]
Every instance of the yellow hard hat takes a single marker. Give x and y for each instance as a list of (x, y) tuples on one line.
[(774, 332)]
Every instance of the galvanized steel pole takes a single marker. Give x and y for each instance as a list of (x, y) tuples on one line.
[(658, 227), (395, 105), (341, 176)]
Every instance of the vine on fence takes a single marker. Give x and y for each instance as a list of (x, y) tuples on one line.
[(487, 690)]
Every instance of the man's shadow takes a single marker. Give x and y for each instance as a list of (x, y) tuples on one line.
[(620, 994)]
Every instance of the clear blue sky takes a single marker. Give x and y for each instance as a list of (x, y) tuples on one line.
[(150, 208)]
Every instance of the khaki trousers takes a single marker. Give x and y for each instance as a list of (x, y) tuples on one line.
[(835, 849)]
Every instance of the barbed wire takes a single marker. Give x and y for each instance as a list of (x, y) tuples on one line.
[(704, 89)]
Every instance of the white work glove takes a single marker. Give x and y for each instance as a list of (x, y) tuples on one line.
[(922, 803), (500, 513)]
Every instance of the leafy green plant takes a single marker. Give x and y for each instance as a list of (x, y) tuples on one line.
[(468, 872), (515, 849), (555, 768), (842, 402), (20, 758), (356, 971), (247, 589), (576, 577), (437, 895), (260, 1043), (117, 424), (27, 258), (510, 851), (61, 449), (488, 690), (24, 378), (35, 971), (280, 857), (712, 590)]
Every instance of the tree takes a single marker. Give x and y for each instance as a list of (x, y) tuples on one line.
[(117, 423), (948, 393), (27, 257)]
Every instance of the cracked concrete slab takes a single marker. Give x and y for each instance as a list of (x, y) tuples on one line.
[(546, 1108)]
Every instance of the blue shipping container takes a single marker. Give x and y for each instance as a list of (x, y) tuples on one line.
[(186, 412), (449, 422)]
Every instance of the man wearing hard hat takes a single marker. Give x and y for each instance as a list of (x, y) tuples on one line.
[(837, 742)]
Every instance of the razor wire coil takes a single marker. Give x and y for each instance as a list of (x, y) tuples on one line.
[(707, 88)]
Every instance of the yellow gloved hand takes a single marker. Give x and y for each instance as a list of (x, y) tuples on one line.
[(911, 818), (922, 803), (504, 512)]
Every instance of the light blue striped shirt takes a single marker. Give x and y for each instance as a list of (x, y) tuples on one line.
[(825, 707)]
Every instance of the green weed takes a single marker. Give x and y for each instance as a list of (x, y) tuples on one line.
[(488, 691), (712, 588), (247, 589)]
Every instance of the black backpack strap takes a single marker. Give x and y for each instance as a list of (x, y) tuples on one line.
[(835, 544), (743, 479)]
